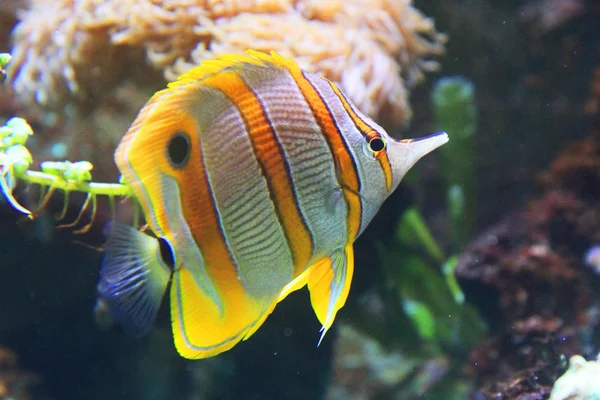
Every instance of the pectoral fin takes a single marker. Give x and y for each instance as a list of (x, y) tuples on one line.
[(329, 283)]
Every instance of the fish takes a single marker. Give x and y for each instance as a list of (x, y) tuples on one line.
[(255, 177)]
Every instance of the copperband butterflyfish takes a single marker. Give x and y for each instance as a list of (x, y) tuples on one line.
[(255, 178)]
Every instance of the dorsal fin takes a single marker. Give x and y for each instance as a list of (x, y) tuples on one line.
[(202, 71), (250, 57)]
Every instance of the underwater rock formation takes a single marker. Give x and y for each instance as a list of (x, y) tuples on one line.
[(71, 50), (540, 294)]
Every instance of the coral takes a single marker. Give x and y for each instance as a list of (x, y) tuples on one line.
[(539, 291), (499, 379), (580, 382), (74, 50), (534, 268)]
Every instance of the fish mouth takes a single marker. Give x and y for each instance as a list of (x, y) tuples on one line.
[(441, 137), (405, 153)]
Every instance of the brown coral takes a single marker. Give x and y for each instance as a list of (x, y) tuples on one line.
[(538, 292), (73, 50)]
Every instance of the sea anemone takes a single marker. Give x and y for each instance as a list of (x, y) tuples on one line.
[(74, 51)]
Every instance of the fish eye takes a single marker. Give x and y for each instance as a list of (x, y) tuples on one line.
[(374, 147), (166, 252), (178, 149)]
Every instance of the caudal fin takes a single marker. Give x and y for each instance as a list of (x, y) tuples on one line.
[(133, 278)]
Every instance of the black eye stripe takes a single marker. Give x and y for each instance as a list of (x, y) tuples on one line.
[(178, 149), (376, 145)]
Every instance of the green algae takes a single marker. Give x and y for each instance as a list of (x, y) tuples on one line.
[(455, 111)]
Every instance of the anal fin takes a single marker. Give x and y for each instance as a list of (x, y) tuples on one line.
[(201, 328), (298, 283)]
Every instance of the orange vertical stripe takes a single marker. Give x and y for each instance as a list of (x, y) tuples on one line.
[(341, 154), (144, 153), (196, 195), (368, 132), (271, 159), (205, 328)]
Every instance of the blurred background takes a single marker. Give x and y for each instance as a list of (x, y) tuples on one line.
[(479, 277)]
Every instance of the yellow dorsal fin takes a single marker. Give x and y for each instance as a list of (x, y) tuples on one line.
[(250, 57)]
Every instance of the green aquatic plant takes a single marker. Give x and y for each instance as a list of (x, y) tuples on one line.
[(4, 60), (420, 255), (423, 280), (415, 264), (453, 100), (423, 276), (414, 233), (66, 176), (432, 319), (419, 282), (425, 318)]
